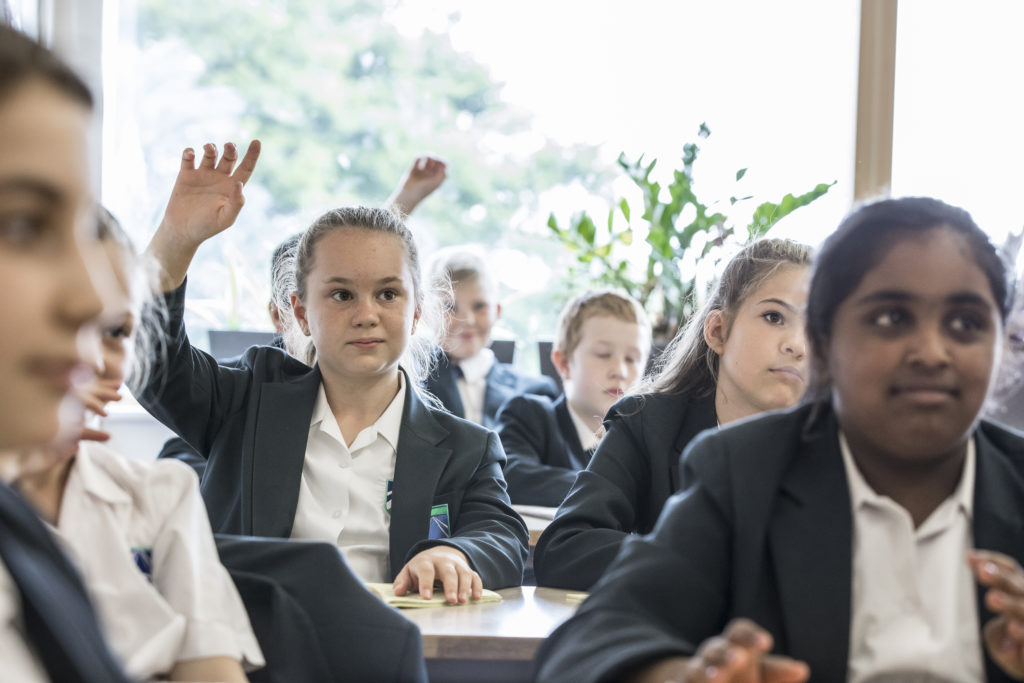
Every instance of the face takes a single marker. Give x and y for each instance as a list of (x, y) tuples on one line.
[(360, 306), (117, 321), (762, 351), (608, 360), (46, 217), (913, 349), (470, 321)]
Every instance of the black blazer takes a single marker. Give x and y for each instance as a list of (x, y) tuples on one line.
[(633, 472), (762, 530), (294, 592), (503, 382), (59, 620), (543, 449), (251, 423)]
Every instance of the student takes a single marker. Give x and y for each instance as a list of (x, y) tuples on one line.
[(744, 353), (138, 531), (601, 347), (345, 451), (48, 629), (873, 533), (467, 378)]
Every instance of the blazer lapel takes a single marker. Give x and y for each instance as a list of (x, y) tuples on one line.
[(998, 500), (810, 540), (501, 385), (567, 427), (419, 462), (442, 384), (700, 415), (278, 452)]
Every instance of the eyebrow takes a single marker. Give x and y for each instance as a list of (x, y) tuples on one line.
[(779, 302), (337, 279), (893, 295), (44, 190)]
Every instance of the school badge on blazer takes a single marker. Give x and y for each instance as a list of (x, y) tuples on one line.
[(439, 527), (144, 561)]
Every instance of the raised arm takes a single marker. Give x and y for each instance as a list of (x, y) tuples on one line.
[(204, 202), (425, 176)]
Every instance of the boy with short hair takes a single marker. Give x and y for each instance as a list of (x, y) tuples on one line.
[(468, 379), (601, 349)]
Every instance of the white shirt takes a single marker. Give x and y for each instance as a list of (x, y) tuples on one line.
[(19, 661), (343, 496), (587, 437), (118, 513), (913, 595), (473, 383)]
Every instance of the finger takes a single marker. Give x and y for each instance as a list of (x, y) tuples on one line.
[(717, 660), (477, 587), (188, 159), (209, 155), (746, 633), (228, 159), (776, 669), (425, 578), (1005, 604), (402, 582), (248, 163), (465, 583), (449, 579), (997, 571), (90, 434)]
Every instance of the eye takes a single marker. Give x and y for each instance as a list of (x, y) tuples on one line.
[(388, 294), (118, 332), (479, 306), (966, 323), (773, 317), (21, 230), (890, 317), (341, 295)]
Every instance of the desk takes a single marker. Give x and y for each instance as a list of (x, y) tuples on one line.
[(490, 642), (537, 519)]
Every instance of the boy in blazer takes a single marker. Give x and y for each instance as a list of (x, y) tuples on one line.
[(467, 379), (601, 347)]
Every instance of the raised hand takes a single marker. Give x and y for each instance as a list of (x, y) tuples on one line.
[(1004, 634), (205, 201), (739, 655), (425, 176)]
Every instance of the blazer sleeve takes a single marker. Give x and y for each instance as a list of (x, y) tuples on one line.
[(601, 508), (663, 596), (525, 433), (176, 448), (186, 388), (487, 530)]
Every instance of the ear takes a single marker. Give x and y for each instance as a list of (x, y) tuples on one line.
[(714, 331), (497, 311), (415, 319), (300, 313), (561, 361)]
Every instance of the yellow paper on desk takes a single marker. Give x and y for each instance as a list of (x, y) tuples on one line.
[(386, 592)]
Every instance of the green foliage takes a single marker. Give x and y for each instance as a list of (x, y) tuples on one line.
[(663, 287)]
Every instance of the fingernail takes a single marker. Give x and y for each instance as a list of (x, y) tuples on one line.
[(991, 569), (998, 599)]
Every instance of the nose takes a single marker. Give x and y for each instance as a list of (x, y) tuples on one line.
[(929, 347), (619, 368), (90, 348), (795, 344), (366, 314)]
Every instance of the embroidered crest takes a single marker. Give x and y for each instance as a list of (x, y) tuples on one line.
[(388, 496), (439, 527), (144, 561)]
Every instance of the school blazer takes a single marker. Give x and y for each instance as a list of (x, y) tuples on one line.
[(633, 472), (503, 382), (251, 423), (543, 449), (59, 621), (762, 529)]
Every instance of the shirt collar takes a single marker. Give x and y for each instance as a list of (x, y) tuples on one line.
[(861, 492), (476, 367), (388, 425), (588, 439), (95, 481)]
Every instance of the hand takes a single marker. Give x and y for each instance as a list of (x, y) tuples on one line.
[(425, 176), (1004, 635), (739, 655), (441, 564), (94, 395), (204, 202)]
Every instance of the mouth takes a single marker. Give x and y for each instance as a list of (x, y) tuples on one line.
[(366, 343), (788, 372), (55, 372), (925, 394), (617, 393)]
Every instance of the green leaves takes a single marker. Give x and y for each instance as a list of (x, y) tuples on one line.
[(663, 286)]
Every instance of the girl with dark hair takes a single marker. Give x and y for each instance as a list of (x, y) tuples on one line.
[(47, 235), (873, 533), (742, 354), (343, 450)]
